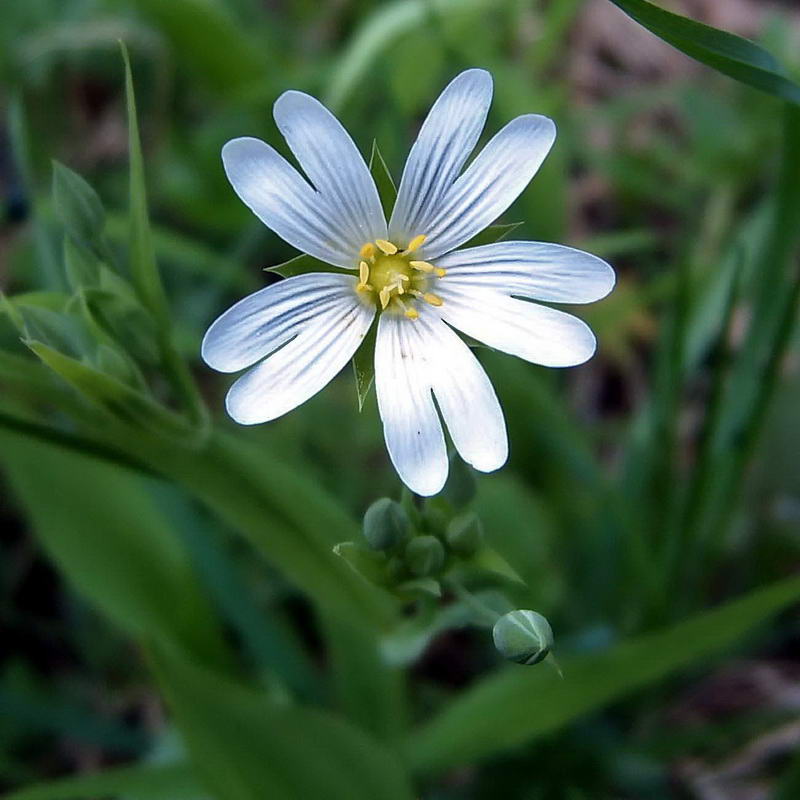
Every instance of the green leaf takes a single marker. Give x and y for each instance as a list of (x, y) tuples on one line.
[(368, 689), (739, 58), (245, 746), (379, 32), (387, 191), (63, 332), (209, 42), (492, 234), (144, 782), (99, 525), (303, 264), (112, 395), (123, 319), (144, 268), (520, 704), (81, 265), (77, 205), (364, 365), (367, 563)]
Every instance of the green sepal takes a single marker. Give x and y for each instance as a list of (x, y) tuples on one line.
[(369, 564), (303, 264), (490, 560), (424, 556), (420, 587), (492, 234), (387, 191), (364, 365), (465, 534)]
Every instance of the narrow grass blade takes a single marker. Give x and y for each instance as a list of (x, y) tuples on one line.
[(521, 703), (739, 58)]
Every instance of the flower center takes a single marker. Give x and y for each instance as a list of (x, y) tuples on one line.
[(392, 278)]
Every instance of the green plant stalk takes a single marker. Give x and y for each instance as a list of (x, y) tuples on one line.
[(289, 520), (757, 370), (716, 522), (679, 541), (144, 268)]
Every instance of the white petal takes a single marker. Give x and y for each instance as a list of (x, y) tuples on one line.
[(263, 321), (447, 137), (302, 367), (491, 183), (411, 425), (549, 272), (283, 200), (334, 166), (465, 396), (533, 332)]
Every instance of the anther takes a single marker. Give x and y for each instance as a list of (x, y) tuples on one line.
[(384, 296), (440, 272), (363, 272), (416, 243), (422, 266), (368, 250), (387, 247), (412, 313), (433, 299)]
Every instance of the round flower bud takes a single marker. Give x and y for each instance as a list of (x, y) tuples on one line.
[(465, 534), (523, 636), (386, 524), (424, 556)]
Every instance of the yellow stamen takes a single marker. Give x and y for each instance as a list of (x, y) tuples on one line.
[(387, 247), (368, 250), (363, 272), (433, 299), (364, 287), (422, 266), (384, 296), (412, 313), (440, 272), (416, 243)]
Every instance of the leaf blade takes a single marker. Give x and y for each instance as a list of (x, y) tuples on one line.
[(732, 55), (521, 704)]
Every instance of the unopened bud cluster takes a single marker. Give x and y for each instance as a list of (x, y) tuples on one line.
[(407, 548)]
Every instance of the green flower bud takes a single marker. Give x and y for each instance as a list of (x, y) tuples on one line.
[(460, 487), (523, 636), (435, 519), (386, 524), (465, 534), (424, 556), (396, 569)]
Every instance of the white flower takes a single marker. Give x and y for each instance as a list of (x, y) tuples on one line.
[(299, 333)]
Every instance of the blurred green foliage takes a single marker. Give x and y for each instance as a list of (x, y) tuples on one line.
[(194, 562)]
